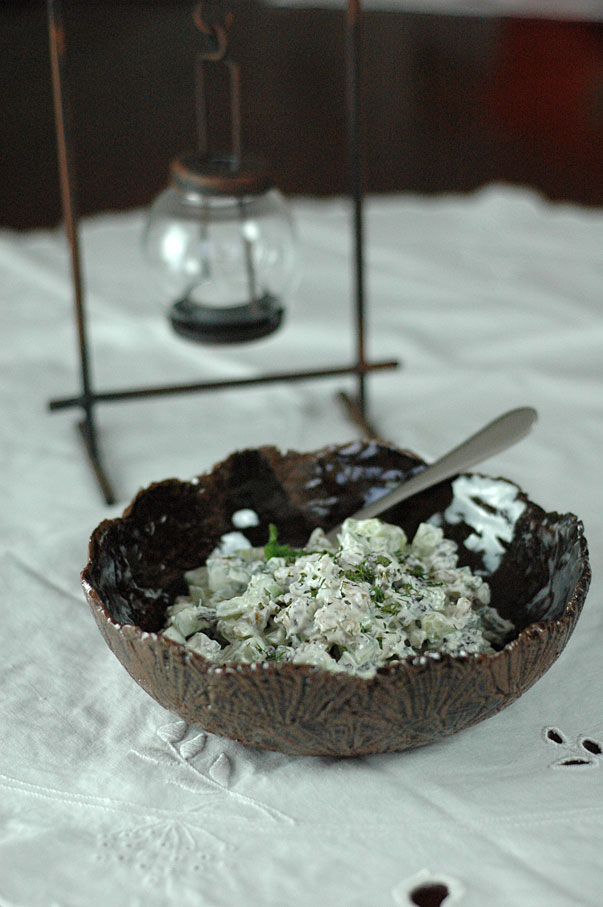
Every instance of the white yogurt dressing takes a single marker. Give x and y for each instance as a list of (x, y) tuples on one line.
[(374, 600), (491, 508)]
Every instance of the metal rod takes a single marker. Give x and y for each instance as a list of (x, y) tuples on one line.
[(201, 106), (67, 178), (354, 129), (137, 393), (62, 113), (216, 51), (252, 288), (234, 71)]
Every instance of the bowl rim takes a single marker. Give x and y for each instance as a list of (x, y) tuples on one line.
[(531, 631)]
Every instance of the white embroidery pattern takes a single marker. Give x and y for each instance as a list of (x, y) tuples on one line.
[(160, 844), (158, 847), (181, 746)]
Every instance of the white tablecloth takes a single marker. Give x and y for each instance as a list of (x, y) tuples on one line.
[(491, 301), (547, 9)]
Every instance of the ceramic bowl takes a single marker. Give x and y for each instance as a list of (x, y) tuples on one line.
[(536, 564)]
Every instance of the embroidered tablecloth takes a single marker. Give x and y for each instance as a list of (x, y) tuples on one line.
[(490, 301)]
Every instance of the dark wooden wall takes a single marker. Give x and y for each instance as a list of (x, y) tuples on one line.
[(450, 103)]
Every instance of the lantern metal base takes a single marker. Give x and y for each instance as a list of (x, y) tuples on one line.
[(227, 324)]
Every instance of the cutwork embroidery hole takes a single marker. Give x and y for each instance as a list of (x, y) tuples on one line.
[(429, 895), (428, 889), (583, 751)]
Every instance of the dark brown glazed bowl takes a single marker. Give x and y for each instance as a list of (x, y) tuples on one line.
[(537, 566)]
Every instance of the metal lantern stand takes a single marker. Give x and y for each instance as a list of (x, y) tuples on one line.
[(88, 398)]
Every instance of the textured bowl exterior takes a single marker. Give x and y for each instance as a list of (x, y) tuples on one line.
[(135, 570)]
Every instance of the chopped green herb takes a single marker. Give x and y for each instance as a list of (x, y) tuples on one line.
[(314, 589), (272, 656), (274, 549), (361, 574), (377, 594)]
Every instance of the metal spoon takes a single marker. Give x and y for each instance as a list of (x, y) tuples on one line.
[(498, 435)]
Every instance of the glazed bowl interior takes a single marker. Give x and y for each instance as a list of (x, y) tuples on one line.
[(536, 564)]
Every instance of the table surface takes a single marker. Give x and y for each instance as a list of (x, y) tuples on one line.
[(490, 301)]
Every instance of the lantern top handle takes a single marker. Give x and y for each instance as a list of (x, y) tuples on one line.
[(215, 27)]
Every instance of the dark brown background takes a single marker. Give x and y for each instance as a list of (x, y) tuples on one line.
[(451, 103)]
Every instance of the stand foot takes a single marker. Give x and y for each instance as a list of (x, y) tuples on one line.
[(354, 411), (92, 451)]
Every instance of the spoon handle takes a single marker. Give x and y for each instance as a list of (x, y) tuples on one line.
[(498, 435)]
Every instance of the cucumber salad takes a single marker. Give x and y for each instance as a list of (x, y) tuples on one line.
[(374, 600)]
